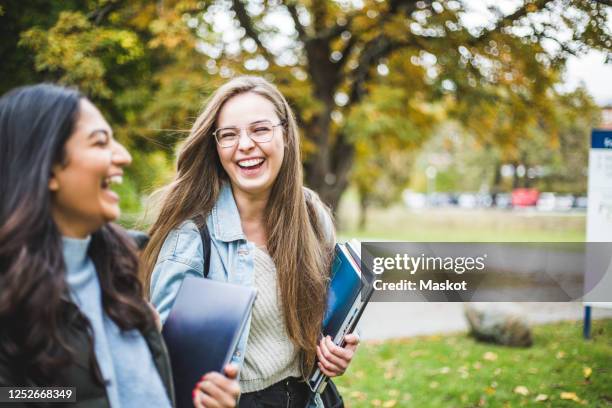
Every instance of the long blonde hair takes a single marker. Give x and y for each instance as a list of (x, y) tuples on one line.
[(295, 238)]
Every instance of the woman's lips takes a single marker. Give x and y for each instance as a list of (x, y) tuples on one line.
[(111, 195), (251, 171)]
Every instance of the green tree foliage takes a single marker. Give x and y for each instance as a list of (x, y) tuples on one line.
[(365, 77), (335, 53), (563, 156), (136, 60), (555, 157)]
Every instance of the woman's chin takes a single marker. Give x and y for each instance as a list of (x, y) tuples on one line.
[(111, 214), (252, 186)]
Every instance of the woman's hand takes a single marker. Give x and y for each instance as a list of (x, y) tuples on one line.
[(334, 360), (216, 390)]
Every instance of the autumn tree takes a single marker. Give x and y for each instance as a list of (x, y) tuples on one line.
[(326, 55), (137, 61), (149, 65)]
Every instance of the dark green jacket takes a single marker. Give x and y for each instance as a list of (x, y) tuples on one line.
[(89, 394)]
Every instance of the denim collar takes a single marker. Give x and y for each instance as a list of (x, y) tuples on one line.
[(225, 216)]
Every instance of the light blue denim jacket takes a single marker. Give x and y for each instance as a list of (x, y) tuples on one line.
[(231, 257)]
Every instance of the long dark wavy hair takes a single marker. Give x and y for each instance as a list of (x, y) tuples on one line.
[(37, 316)]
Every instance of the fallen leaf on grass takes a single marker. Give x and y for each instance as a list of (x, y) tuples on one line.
[(521, 390), (358, 395), (560, 355), (389, 404), (541, 398), (376, 403), (587, 371), (490, 390), (570, 396), (490, 356)]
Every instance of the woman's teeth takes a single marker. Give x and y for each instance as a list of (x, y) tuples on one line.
[(250, 162), (112, 180)]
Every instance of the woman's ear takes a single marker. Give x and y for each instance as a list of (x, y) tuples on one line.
[(53, 182)]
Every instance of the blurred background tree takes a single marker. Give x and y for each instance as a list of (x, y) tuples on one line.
[(370, 80)]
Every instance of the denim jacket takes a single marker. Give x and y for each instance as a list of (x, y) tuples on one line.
[(231, 257)]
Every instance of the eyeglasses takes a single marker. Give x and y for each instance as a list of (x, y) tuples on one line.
[(259, 132)]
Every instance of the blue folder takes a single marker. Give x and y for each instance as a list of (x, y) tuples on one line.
[(349, 291), (344, 288), (203, 329)]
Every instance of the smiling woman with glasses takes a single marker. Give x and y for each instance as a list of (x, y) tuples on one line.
[(261, 131), (240, 175)]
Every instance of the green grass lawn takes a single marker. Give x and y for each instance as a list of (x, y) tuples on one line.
[(559, 370), (399, 223)]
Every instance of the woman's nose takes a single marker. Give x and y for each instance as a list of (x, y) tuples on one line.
[(121, 157), (244, 141)]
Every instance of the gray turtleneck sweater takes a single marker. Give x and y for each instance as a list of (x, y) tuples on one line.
[(126, 363)]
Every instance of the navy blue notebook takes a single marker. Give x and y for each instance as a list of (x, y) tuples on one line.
[(344, 288), (349, 291), (203, 329)]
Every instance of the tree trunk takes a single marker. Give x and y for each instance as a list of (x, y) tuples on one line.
[(515, 177), (330, 188), (497, 180), (363, 209), (328, 167)]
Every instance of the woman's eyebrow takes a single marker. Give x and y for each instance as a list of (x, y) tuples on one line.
[(259, 121), (250, 124), (108, 133)]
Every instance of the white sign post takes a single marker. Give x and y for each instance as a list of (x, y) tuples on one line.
[(599, 218)]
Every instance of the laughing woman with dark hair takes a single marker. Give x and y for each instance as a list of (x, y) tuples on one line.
[(71, 307)]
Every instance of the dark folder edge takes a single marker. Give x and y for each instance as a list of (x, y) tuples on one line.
[(317, 380), (171, 343)]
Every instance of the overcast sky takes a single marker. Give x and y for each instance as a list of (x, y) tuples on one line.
[(596, 75), (589, 69)]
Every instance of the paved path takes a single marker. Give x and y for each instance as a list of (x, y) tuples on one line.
[(391, 320)]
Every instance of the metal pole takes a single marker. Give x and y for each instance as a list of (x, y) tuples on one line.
[(587, 323)]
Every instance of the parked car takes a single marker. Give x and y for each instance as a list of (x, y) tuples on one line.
[(414, 200), (484, 200), (439, 200), (546, 202), (503, 200), (467, 200), (555, 202), (581, 202), (564, 202), (524, 197)]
